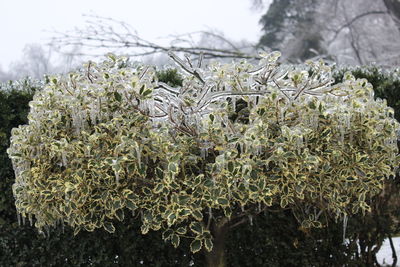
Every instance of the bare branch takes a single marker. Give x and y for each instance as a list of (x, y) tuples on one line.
[(349, 23), (394, 254), (242, 221), (111, 34)]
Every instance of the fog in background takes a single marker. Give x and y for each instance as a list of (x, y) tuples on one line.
[(43, 37)]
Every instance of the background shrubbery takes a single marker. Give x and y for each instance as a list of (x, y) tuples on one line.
[(274, 239)]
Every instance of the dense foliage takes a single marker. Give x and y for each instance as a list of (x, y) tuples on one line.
[(21, 245), (112, 139), (326, 246), (275, 238)]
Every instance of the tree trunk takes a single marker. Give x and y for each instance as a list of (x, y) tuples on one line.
[(216, 257)]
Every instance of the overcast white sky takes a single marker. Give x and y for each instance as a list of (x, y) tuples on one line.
[(31, 21)]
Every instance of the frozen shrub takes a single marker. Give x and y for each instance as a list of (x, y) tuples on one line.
[(111, 139)]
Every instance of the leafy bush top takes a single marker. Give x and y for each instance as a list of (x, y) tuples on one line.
[(234, 140)]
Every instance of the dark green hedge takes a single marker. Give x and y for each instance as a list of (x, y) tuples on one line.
[(274, 239)]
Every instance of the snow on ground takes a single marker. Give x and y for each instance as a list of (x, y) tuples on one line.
[(384, 255)]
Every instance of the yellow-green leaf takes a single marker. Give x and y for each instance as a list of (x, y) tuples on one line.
[(196, 227), (109, 227), (195, 246), (175, 240), (208, 244)]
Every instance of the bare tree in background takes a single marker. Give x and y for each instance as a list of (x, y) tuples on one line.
[(349, 32), (38, 60), (360, 31), (34, 63), (109, 35)]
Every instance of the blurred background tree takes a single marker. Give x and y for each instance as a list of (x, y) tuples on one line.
[(347, 32), (354, 32)]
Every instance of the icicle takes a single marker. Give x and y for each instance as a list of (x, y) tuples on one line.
[(93, 114), (64, 159), (315, 121), (253, 101), (210, 215), (117, 177), (19, 218), (204, 150), (47, 231), (30, 219), (82, 119), (23, 220), (299, 143), (282, 117), (341, 129), (197, 121), (345, 219), (251, 220), (99, 107), (151, 107), (138, 154), (203, 153), (347, 121)]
